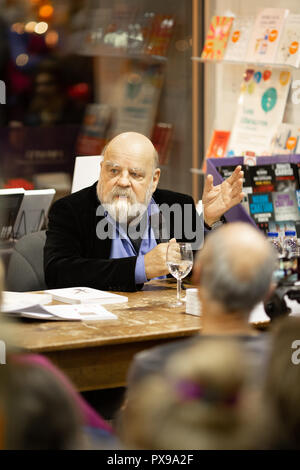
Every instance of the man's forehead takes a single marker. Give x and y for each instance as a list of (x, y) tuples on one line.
[(133, 158), (121, 165)]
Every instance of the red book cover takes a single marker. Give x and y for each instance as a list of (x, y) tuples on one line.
[(218, 146)]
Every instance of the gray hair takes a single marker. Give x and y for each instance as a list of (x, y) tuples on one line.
[(226, 287)]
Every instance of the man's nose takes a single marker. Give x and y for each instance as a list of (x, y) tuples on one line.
[(124, 180)]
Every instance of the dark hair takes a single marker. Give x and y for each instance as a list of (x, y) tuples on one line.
[(38, 412), (198, 403)]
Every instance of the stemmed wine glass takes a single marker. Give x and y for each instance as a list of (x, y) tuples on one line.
[(180, 263)]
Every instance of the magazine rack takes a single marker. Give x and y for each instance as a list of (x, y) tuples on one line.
[(238, 212)]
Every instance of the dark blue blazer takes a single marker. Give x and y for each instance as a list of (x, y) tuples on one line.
[(74, 256)]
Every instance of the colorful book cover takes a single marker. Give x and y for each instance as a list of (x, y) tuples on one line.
[(289, 46), (239, 39), (217, 38), (286, 177), (93, 135), (285, 206), (261, 209), (226, 172), (286, 140), (263, 178), (281, 228), (266, 35), (260, 110), (218, 146)]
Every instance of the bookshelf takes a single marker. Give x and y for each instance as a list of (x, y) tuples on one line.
[(222, 79)]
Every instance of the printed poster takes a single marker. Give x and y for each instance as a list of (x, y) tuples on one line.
[(239, 39), (260, 110), (266, 35), (286, 140), (137, 94), (289, 46)]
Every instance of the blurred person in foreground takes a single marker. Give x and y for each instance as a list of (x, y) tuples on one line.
[(39, 406), (202, 402), (282, 388), (233, 273), (37, 412), (109, 236)]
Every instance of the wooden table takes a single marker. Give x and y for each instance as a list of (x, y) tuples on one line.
[(97, 354)]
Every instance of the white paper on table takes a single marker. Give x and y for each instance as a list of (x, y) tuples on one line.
[(69, 312), (14, 301)]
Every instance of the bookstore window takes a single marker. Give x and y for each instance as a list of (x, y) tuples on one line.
[(76, 73), (46, 88)]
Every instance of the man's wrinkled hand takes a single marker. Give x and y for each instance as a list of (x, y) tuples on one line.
[(156, 260), (219, 199)]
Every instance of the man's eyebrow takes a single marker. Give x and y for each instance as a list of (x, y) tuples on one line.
[(116, 165), (108, 163), (138, 170)]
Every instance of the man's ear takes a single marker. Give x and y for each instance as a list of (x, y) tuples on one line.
[(155, 179)]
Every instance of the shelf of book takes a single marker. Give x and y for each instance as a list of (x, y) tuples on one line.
[(245, 63), (266, 43), (283, 205)]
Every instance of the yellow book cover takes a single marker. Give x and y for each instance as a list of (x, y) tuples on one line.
[(217, 37)]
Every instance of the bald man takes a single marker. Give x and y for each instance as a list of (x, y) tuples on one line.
[(115, 234), (233, 273)]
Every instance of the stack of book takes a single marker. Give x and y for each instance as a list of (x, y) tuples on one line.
[(87, 304), (272, 195)]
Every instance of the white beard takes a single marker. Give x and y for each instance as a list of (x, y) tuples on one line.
[(125, 209)]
